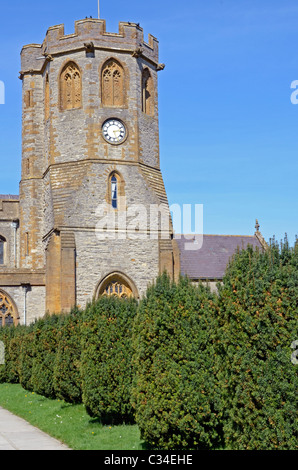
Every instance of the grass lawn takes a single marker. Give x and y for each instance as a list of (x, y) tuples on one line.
[(68, 423)]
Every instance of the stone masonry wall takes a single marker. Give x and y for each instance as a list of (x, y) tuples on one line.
[(137, 259), (67, 162), (35, 302)]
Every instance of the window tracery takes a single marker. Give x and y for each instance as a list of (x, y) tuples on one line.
[(7, 311), (112, 84), (117, 288), (116, 285), (71, 87)]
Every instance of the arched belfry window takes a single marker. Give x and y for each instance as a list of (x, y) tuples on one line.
[(8, 312), (112, 84), (2, 249), (147, 93), (70, 87)]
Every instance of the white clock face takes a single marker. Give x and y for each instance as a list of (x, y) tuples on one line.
[(114, 131)]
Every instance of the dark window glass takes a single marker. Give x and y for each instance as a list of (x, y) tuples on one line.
[(1, 251), (114, 191), (8, 320)]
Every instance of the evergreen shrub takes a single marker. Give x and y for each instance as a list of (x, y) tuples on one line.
[(175, 395), (66, 372), (258, 323), (27, 354), (106, 366), (7, 370), (44, 353)]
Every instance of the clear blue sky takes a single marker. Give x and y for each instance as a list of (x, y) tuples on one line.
[(228, 129)]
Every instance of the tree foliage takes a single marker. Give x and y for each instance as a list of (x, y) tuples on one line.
[(194, 369), (106, 358), (66, 371), (258, 323), (44, 352), (175, 390)]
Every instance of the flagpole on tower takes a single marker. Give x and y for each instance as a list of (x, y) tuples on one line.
[(98, 10)]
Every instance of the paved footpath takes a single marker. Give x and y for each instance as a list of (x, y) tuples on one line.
[(17, 434)]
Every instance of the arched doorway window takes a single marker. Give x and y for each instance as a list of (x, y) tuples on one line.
[(117, 288), (117, 285), (8, 312)]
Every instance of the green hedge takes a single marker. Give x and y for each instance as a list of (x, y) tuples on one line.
[(14, 352), (66, 371), (7, 370), (45, 347), (194, 370), (258, 323), (27, 354), (106, 366), (175, 395)]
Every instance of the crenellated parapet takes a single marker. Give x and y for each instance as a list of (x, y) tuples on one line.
[(90, 34)]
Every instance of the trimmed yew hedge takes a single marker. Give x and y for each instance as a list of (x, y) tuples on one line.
[(106, 364), (258, 313), (195, 370), (175, 394), (45, 349), (8, 371), (27, 354), (67, 363)]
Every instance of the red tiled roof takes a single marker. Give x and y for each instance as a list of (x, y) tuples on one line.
[(210, 260)]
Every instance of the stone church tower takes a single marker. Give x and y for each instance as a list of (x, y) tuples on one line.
[(92, 216), (91, 142)]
